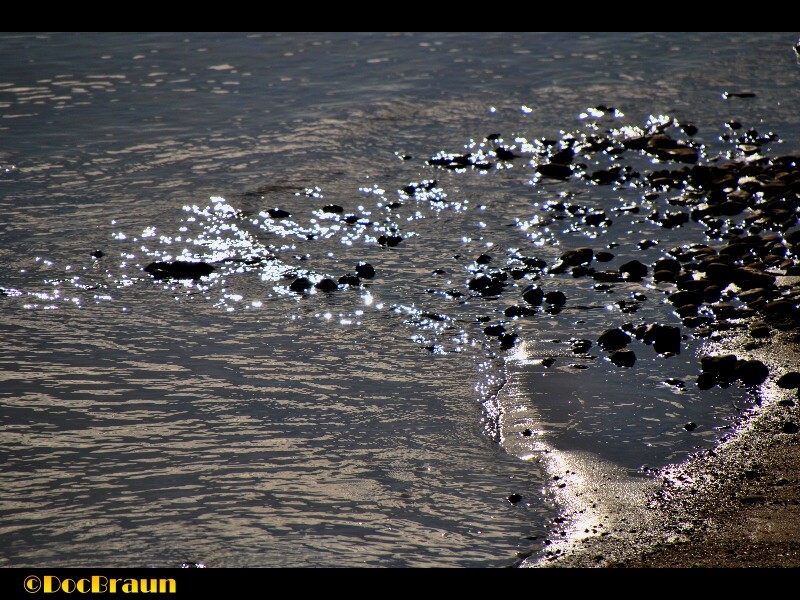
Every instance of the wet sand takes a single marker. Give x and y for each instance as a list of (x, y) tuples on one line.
[(736, 506)]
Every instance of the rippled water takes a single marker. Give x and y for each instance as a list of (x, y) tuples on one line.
[(231, 421)]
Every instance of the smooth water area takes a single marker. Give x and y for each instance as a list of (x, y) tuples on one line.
[(231, 421)]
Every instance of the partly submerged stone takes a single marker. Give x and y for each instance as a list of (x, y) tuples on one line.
[(179, 269)]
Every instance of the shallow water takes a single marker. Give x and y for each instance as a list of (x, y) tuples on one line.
[(233, 422)]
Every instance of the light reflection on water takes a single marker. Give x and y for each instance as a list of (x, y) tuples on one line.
[(234, 422)]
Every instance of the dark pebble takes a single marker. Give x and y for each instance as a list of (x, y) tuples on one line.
[(723, 364), (514, 498), (613, 339), (483, 259), (556, 298), (507, 340), (555, 171), (494, 330), (789, 380), (690, 426), (603, 256), (664, 338), (179, 269), (572, 258), (581, 346), (390, 240), (634, 270), (326, 285), (301, 284), (332, 208), (278, 213), (623, 358), (518, 311), (751, 372), (527, 433), (98, 254), (790, 427), (707, 380), (533, 295), (548, 362), (365, 270), (349, 279)]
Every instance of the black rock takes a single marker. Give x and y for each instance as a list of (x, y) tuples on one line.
[(723, 365), (483, 259), (533, 295), (603, 256), (751, 372), (555, 171), (326, 285), (365, 270), (664, 338), (789, 380), (332, 208), (389, 240), (634, 270), (581, 346), (301, 284), (98, 254), (514, 498), (278, 213), (497, 330), (572, 258), (179, 269), (707, 380), (790, 427), (690, 426), (623, 358), (555, 298), (349, 279), (519, 311), (507, 340), (613, 339)]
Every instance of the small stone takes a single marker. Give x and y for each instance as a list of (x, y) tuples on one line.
[(98, 254), (634, 270), (365, 270), (555, 298), (332, 208), (604, 256), (623, 358), (572, 258), (751, 372), (494, 330), (514, 498), (278, 213), (326, 285), (613, 339), (389, 240), (789, 380), (690, 426), (706, 381), (790, 427), (533, 295), (301, 284)]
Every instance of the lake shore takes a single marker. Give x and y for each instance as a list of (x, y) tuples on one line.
[(737, 505)]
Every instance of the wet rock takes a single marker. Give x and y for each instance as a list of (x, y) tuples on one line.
[(633, 270), (389, 240), (723, 364), (179, 269), (496, 330), (555, 171), (645, 244), (790, 427), (555, 298), (751, 372), (483, 259), (663, 338), (514, 498), (349, 279), (667, 264), (486, 285), (326, 285), (278, 213), (580, 346), (527, 433), (613, 339), (603, 256), (365, 270), (572, 258), (607, 276), (707, 380), (507, 340), (548, 362), (301, 285), (789, 380), (332, 208), (533, 295), (684, 298), (518, 311), (690, 426), (623, 358), (98, 254), (504, 154)]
